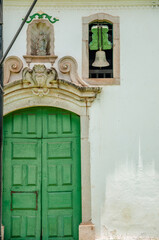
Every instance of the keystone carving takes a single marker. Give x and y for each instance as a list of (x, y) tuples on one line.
[(40, 79), (12, 64), (68, 65)]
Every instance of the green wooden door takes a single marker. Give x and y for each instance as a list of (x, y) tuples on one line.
[(41, 176)]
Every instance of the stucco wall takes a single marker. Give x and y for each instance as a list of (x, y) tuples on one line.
[(124, 120)]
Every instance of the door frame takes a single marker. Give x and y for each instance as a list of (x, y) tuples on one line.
[(77, 100)]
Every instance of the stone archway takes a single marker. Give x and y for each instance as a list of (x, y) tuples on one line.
[(44, 88)]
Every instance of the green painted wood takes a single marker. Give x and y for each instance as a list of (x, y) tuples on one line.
[(100, 38), (61, 192), (106, 43), (23, 124), (42, 186), (60, 123), (22, 188)]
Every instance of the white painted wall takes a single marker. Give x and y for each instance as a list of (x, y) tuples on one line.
[(124, 120)]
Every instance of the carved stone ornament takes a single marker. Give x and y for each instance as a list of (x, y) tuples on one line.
[(12, 64), (68, 65), (40, 79)]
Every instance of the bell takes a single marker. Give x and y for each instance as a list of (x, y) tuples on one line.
[(100, 59)]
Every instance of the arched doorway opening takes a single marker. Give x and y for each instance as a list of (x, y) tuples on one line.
[(42, 174)]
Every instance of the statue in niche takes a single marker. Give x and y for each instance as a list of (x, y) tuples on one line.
[(41, 44)]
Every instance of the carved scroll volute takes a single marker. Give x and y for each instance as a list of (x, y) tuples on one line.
[(11, 64), (68, 65)]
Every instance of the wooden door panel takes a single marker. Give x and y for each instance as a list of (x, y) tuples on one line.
[(59, 174), (61, 213), (59, 149), (24, 150), (60, 226), (22, 188), (60, 200), (60, 123), (24, 200), (66, 174), (23, 124), (23, 227)]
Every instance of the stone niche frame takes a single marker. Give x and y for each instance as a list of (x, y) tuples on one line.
[(74, 96), (116, 49), (49, 58)]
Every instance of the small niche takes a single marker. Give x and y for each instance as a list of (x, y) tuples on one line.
[(40, 42)]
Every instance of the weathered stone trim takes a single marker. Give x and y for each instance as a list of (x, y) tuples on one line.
[(68, 65), (87, 231), (12, 64), (2, 232), (72, 97)]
